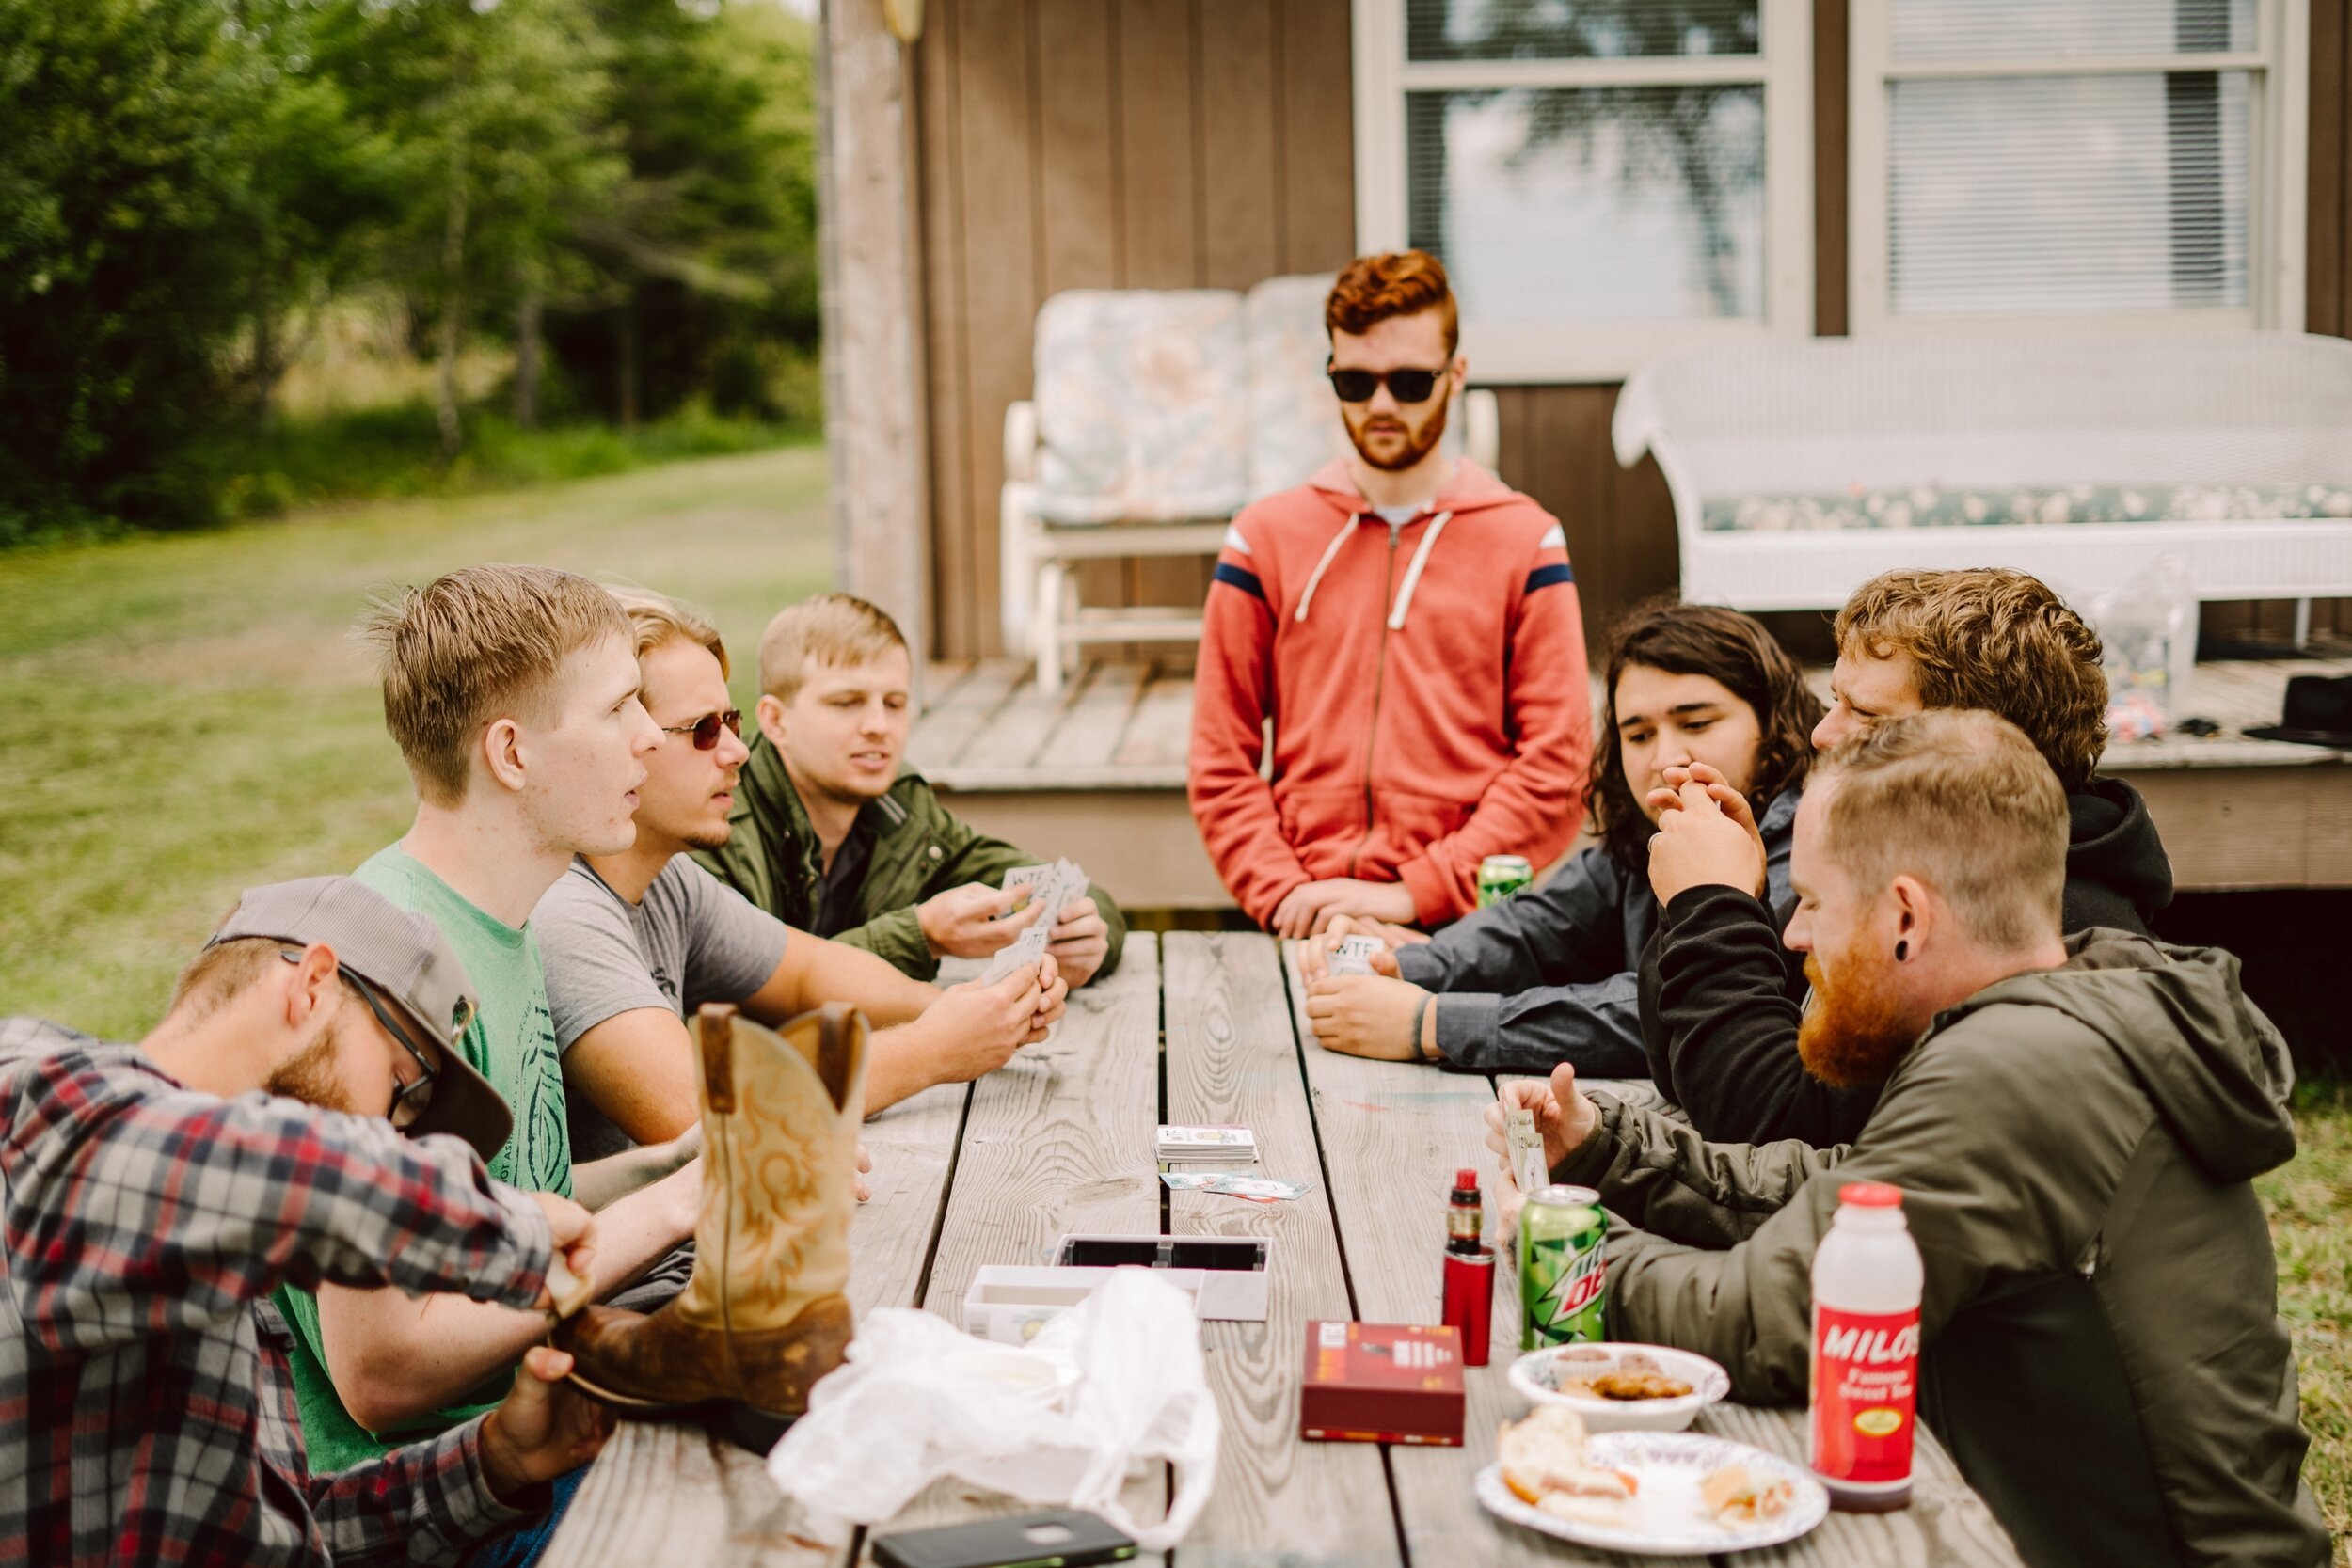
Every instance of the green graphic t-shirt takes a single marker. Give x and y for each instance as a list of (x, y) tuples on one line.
[(512, 1041)]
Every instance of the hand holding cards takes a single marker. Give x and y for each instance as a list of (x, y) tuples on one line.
[(1354, 955), (1026, 951), (1056, 887)]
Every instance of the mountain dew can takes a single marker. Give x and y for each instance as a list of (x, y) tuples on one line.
[(1563, 1279), (1501, 876)]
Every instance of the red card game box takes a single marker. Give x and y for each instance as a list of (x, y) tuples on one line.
[(1382, 1382)]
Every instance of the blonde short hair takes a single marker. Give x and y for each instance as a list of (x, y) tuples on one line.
[(1993, 639), (1961, 800), (832, 629), (655, 619), (473, 646)]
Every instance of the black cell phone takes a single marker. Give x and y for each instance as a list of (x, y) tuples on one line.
[(1064, 1539)]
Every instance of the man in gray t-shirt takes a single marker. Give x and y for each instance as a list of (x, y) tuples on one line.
[(632, 943), (689, 941)]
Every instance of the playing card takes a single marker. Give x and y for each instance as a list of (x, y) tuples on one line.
[(1024, 952), (1354, 955), (1260, 1189), (1527, 1150), (566, 1290), (1028, 880)]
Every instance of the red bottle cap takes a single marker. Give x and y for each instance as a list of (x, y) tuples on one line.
[(1870, 1195), (1467, 1177)]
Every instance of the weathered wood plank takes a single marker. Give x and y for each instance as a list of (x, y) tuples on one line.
[(1016, 732), (1091, 727), (942, 734), (1057, 1141), (1231, 1060), (667, 1492), (1161, 731), (946, 310), (1318, 190), (1392, 1135), (1240, 162), (1947, 1526)]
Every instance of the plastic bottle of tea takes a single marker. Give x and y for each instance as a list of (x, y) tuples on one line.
[(1866, 1351)]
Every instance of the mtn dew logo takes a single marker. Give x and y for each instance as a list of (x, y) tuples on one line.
[(1563, 1271)]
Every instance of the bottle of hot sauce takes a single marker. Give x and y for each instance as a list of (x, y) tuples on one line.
[(1866, 1351), (1470, 1269)]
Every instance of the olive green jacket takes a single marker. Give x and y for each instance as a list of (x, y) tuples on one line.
[(2101, 1350), (771, 858)]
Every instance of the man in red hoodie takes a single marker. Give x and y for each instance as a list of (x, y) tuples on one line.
[(1409, 624)]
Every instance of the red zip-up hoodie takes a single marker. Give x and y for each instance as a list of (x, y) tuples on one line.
[(1426, 687)]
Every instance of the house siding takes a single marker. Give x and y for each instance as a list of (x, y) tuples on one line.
[(1208, 144)]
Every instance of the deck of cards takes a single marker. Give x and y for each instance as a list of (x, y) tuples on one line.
[(1211, 1146), (1354, 955), (1056, 886)]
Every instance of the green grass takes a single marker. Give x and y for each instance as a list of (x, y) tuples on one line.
[(184, 716), (391, 451), (2310, 1222)]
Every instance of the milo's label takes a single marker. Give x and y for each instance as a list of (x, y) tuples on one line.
[(1866, 1388)]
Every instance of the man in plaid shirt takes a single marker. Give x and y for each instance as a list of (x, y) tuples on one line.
[(154, 1196)]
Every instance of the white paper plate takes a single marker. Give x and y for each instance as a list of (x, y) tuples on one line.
[(1664, 1518)]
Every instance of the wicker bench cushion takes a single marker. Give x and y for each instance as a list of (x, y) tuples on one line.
[(1919, 506)]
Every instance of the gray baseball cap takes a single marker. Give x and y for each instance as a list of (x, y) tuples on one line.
[(404, 958)]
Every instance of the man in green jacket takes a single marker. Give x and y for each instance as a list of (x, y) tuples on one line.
[(2073, 1123), (830, 835)]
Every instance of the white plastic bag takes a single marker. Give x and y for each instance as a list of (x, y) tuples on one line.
[(902, 1413)]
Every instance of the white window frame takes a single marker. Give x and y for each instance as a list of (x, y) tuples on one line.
[(1505, 351), (2280, 147)]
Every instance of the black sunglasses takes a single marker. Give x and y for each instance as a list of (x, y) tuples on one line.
[(706, 729), (409, 1099), (1405, 385)]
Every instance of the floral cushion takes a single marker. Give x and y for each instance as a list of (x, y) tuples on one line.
[(1142, 405), (1924, 507)]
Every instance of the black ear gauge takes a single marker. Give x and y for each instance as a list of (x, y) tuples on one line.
[(1902, 952)]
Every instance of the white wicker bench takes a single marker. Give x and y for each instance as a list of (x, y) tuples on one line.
[(1801, 470), (1158, 414)]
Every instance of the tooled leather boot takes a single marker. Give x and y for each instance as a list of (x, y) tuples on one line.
[(762, 1317)]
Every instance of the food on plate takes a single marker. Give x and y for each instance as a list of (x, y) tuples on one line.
[(1733, 1495), (1627, 1386), (1595, 1374), (1544, 1464)]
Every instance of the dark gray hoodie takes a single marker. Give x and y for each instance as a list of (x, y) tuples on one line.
[(2101, 1347)]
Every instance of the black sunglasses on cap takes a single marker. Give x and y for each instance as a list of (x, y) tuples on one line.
[(1405, 385), (706, 729)]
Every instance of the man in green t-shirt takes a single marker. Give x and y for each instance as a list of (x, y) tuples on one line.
[(513, 693)]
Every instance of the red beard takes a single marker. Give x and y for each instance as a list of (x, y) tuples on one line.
[(1857, 1028), (1420, 440)]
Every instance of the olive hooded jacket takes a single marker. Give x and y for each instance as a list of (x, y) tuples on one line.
[(2101, 1350)]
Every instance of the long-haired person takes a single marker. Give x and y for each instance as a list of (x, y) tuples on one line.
[(1550, 976)]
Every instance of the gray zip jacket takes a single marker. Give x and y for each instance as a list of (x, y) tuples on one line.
[(1552, 975)]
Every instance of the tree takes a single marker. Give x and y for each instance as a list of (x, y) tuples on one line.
[(123, 251)]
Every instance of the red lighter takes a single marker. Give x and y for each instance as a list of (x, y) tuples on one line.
[(1470, 1270)]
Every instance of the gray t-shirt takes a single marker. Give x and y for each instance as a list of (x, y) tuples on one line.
[(690, 939)]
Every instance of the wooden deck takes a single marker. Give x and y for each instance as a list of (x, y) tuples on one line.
[(1098, 774), (1202, 1028)]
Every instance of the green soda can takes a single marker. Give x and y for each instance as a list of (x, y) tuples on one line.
[(1501, 876), (1563, 1280)]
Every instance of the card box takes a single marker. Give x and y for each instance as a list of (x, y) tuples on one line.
[(1382, 1382), (1226, 1276)]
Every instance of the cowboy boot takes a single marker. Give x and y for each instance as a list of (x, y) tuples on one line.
[(762, 1317)]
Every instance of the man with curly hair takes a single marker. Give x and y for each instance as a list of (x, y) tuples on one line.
[(1721, 1000)]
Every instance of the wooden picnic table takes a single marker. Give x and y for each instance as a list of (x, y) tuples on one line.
[(1198, 1027)]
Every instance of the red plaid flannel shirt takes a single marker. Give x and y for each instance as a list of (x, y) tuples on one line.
[(144, 1415)]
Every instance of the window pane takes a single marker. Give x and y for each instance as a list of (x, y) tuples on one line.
[(1592, 203), (2068, 193), (1577, 29), (2039, 29)]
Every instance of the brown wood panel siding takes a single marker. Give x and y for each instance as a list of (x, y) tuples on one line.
[(1104, 144), (1619, 522), (1830, 110)]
